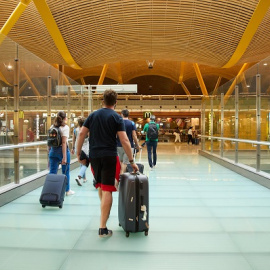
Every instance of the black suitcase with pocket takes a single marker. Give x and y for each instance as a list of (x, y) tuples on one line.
[(53, 191), (133, 203)]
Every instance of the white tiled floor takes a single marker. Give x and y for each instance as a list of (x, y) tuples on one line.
[(202, 216)]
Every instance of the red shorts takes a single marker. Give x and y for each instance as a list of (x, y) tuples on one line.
[(105, 171)]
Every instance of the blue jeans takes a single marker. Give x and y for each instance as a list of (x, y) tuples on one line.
[(152, 146), (82, 171), (55, 157)]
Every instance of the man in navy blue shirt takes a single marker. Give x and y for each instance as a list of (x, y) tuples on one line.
[(132, 136), (103, 125)]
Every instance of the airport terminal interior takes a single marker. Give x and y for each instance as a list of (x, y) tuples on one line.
[(199, 64)]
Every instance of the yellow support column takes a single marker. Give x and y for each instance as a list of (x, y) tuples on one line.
[(185, 88), (72, 91), (103, 74), (55, 33), (23, 87), (250, 31), (31, 83), (13, 18), (231, 89), (217, 85), (181, 72), (119, 73), (200, 79), (82, 81)]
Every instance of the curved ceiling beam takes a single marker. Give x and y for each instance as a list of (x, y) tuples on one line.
[(200, 79), (13, 18), (231, 88), (217, 85), (185, 88), (250, 31), (181, 72), (103, 74), (55, 33)]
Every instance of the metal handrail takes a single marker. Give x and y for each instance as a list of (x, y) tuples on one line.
[(22, 145), (237, 140)]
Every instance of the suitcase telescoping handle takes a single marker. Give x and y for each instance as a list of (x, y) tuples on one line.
[(65, 165)]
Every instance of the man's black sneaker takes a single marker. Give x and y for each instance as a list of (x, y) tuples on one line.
[(104, 232)]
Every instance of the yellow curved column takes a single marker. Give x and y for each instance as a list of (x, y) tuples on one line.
[(250, 31), (13, 18), (55, 33)]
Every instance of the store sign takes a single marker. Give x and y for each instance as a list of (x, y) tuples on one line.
[(147, 114)]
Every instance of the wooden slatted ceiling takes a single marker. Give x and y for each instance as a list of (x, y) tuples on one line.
[(98, 32), (132, 31)]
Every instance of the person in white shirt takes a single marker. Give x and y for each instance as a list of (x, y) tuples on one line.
[(190, 133), (61, 154)]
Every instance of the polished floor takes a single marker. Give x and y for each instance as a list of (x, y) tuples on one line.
[(202, 216)]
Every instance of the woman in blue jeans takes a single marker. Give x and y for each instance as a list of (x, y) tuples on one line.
[(61, 154)]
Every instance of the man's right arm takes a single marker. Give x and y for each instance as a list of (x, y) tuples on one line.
[(80, 139)]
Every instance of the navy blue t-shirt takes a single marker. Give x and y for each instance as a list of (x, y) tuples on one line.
[(103, 125), (129, 126)]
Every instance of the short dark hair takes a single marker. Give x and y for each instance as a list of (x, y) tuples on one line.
[(110, 97), (152, 117), (125, 113)]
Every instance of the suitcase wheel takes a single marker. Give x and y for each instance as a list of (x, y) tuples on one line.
[(119, 225), (127, 234), (43, 205), (60, 206), (146, 233)]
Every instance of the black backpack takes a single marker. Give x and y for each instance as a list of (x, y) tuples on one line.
[(54, 137), (152, 133)]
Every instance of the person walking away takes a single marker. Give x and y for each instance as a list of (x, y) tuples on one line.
[(84, 156), (61, 154), (151, 130), (132, 136), (103, 125), (190, 133)]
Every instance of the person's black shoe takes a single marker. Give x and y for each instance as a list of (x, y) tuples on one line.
[(104, 232), (78, 181)]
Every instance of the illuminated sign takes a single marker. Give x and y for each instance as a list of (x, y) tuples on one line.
[(147, 114)]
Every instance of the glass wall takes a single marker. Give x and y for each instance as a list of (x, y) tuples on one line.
[(31, 93), (241, 113)]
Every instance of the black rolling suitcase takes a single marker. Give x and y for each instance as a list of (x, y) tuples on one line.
[(53, 191), (133, 205)]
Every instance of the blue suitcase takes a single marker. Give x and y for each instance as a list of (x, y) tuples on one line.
[(53, 191)]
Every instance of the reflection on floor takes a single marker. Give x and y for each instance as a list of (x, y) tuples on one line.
[(202, 216)]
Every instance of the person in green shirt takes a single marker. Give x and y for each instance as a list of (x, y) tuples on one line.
[(151, 131)]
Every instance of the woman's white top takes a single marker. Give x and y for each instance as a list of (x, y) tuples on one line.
[(190, 132), (64, 131)]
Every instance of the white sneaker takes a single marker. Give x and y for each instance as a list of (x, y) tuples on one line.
[(70, 192)]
